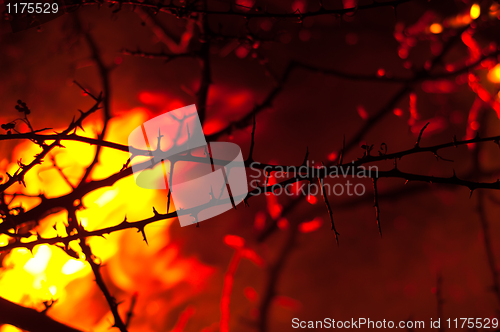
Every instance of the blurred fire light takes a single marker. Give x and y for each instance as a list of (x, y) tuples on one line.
[(475, 11), (311, 226), (494, 74), (30, 279), (436, 28)]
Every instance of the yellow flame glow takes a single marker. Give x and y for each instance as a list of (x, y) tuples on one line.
[(475, 11), (38, 263), (494, 74), (72, 266), (9, 328), (29, 279), (436, 28), (49, 273)]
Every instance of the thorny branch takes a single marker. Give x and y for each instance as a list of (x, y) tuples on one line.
[(488, 245), (189, 9), (192, 12), (104, 73), (301, 175), (421, 74)]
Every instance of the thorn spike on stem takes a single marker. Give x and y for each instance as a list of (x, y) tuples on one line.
[(417, 144), (252, 142), (329, 209), (168, 199), (376, 206), (341, 157), (144, 235)]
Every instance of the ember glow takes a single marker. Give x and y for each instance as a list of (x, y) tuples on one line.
[(407, 88), (49, 274)]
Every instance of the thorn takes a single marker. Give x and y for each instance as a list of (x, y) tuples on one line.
[(145, 239), (341, 157), (329, 209), (417, 144), (155, 212), (252, 142), (375, 205)]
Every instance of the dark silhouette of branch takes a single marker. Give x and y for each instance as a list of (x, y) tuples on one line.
[(161, 55), (29, 319), (206, 72), (23, 169), (130, 312), (306, 174), (329, 209), (197, 13), (104, 73), (96, 269), (266, 103), (163, 35), (189, 9), (488, 246)]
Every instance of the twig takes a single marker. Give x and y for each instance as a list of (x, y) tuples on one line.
[(104, 73), (329, 209), (130, 312), (182, 11), (481, 209), (160, 55), (376, 206), (60, 171), (23, 169), (417, 144), (162, 34), (29, 319), (96, 269), (73, 224), (206, 74)]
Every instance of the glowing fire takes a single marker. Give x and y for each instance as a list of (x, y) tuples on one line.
[(49, 273)]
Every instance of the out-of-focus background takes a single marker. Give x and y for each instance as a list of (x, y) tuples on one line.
[(183, 278)]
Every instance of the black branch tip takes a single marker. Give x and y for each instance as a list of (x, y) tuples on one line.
[(143, 232)]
